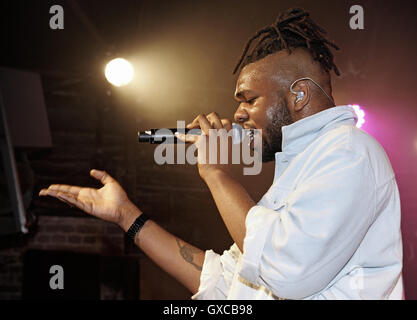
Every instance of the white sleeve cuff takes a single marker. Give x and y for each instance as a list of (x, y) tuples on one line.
[(217, 274), (210, 274), (258, 223)]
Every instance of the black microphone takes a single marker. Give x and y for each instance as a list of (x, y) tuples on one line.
[(158, 136)]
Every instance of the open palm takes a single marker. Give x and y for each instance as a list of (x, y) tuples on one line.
[(106, 203)]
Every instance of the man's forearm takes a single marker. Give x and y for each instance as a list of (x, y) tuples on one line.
[(233, 203), (178, 258)]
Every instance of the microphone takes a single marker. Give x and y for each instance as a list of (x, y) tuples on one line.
[(158, 136)]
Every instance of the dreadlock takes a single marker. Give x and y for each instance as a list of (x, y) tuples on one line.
[(292, 29)]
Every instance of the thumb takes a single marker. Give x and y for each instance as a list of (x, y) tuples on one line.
[(103, 176), (190, 138)]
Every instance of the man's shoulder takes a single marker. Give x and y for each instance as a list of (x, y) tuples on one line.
[(353, 142)]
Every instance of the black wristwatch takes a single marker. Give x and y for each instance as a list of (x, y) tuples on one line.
[(136, 226)]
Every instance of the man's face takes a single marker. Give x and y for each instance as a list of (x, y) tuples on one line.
[(262, 105)]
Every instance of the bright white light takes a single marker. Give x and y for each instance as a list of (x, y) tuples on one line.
[(361, 115), (119, 72)]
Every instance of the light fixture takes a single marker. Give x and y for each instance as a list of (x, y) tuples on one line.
[(119, 72)]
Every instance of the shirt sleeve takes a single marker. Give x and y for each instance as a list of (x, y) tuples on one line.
[(217, 274), (296, 248)]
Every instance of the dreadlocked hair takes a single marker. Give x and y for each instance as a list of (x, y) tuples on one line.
[(292, 29)]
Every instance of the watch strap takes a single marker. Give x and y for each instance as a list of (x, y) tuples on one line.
[(136, 226)]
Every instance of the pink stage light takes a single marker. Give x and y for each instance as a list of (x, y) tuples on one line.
[(361, 115)]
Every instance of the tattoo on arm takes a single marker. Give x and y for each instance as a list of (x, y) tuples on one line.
[(187, 253)]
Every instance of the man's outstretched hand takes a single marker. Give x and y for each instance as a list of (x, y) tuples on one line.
[(109, 203)]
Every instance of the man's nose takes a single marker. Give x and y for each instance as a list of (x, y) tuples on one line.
[(241, 115)]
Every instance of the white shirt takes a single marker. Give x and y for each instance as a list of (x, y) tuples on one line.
[(328, 227)]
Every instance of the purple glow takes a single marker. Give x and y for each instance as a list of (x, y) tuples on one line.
[(361, 115)]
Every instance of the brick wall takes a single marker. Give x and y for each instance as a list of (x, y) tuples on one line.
[(10, 273), (87, 235)]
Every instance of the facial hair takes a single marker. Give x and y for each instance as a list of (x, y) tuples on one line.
[(278, 117)]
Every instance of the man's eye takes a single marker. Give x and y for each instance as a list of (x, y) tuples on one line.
[(251, 100)]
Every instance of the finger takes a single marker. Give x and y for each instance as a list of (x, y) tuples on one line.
[(188, 138), (227, 124), (194, 124), (65, 188), (68, 198), (49, 192), (103, 176), (52, 193), (215, 121), (200, 122), (46, 191), (204, 124)]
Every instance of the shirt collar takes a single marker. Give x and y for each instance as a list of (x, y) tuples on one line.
[(296, 136)]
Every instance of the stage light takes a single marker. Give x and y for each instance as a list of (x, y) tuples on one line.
[(119, 72), (361, 115)]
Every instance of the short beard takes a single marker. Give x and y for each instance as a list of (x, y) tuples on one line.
[(278, 116)]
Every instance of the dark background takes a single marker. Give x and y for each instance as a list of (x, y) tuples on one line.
[(184, 53)]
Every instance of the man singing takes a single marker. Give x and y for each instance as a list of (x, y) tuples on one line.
[(328, 227)]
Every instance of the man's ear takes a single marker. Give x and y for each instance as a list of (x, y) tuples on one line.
[(298, 101)]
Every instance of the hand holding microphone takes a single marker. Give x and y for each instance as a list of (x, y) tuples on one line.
[(204, 132), (202, 142), (158, 136)]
